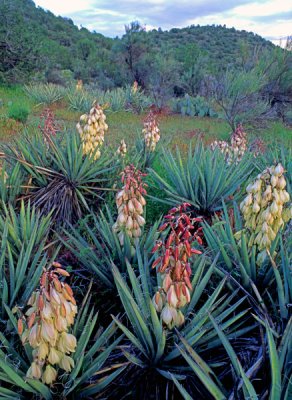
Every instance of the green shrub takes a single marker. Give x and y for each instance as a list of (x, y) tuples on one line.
[(18, 112)]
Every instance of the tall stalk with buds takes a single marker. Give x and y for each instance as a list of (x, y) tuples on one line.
[(45, 326), (265, 208), (151, 132), (130, 202), (92, 128), (233, 152), (174, 255), (48, 125)]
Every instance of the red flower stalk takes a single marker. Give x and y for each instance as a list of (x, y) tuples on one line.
[(48, 125), (174, 254)]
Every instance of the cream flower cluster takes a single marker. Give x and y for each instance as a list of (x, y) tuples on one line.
[(51, 313), (130, 202), (233, 153), (265, 209), (122, 149), (151, 131), (92, 128)]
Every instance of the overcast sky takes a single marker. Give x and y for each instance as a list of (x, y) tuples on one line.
[(271, 19)]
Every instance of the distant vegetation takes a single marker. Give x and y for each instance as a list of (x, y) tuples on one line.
[(198, 70)]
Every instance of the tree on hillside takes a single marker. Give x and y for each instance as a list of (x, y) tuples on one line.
[(18, 44), (238, 94), (135, 46), (163, 78)]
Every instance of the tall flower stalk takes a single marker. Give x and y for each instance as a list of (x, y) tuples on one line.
[(151, 132), (130, 202), (265, 208), (45, 326), (174, 253), (92, 128)]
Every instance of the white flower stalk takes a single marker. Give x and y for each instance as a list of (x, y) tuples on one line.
[(51, 313), (265, 208), (151, 132), (130, 202), (92, 128), (239, 142), (233, 153), (122, 149)]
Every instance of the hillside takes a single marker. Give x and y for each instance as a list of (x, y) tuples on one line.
[(35, 43)]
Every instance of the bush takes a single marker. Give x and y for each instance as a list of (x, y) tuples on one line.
[(18, 112)]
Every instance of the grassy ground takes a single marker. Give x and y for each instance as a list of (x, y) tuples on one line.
[(175, 129)]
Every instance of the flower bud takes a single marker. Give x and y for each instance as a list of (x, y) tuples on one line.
[(34, 371), (43, 350), (66, 363), (158, 301), (54, 356), (50, 375), (279, 170), (172, 297)]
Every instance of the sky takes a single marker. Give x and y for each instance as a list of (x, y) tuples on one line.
[(271, 19)]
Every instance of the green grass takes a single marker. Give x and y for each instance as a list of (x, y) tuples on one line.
[(175, 129)]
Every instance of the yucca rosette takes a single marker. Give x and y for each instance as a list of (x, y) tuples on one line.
[(151, 131), (45, 326), (92, 128), (174, 253), (266, 208), (130, 202)]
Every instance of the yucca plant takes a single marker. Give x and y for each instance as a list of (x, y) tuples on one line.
[(80, 100), (62, 181), (202, 179), (92, 373), (25, 228), (45, 93), (270, 279), (11, 184), (20, 266), (96, 246), (150, 347), (136, 100), (247, 383)]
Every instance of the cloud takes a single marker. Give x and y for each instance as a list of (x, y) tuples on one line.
[(282, 16), (265, 17)]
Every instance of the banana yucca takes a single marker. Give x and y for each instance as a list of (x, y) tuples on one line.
[(265, 209), (92, 128), (130, 202), (175, 253), (151, 131), (122, 149), (51, 313)]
